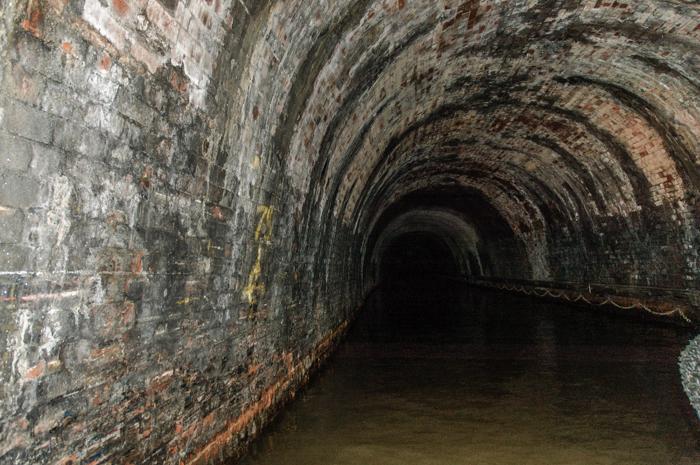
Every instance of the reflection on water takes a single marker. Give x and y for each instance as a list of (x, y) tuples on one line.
[(435, 374)]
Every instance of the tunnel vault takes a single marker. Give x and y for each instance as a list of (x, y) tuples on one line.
[(195, 193)]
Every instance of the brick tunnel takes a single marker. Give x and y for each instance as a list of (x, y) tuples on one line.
[(198, 196)]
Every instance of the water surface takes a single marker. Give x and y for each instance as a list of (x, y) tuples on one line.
[(434, 373)]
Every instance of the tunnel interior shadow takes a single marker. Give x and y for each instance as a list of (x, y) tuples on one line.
[(430, 360), (420, 295)]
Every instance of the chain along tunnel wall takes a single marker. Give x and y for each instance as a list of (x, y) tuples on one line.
[(195, 194)]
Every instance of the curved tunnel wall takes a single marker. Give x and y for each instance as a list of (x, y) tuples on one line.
[(415, 258), (192, 189), (457, 236)]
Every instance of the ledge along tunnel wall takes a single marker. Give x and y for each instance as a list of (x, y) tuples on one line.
[(194, 193)]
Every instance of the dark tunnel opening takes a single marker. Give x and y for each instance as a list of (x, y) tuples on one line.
[(474, 213), (418, 272), (415, 257), (479, 240)]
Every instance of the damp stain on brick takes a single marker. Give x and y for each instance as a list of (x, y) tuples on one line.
[(193, 192)]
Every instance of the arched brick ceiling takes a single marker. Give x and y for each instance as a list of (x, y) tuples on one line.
[(192, 191), (567, 116), (458, 236)]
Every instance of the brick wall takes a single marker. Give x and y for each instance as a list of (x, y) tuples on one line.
[(189, 189)]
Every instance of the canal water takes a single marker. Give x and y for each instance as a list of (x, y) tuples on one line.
[(435, 373)]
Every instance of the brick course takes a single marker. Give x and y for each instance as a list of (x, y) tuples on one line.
[(191, 190)]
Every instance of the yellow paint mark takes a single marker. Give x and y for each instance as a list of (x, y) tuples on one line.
[(254, 287), (256, 162), (187, 300), (263, 235), (264, 229)]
